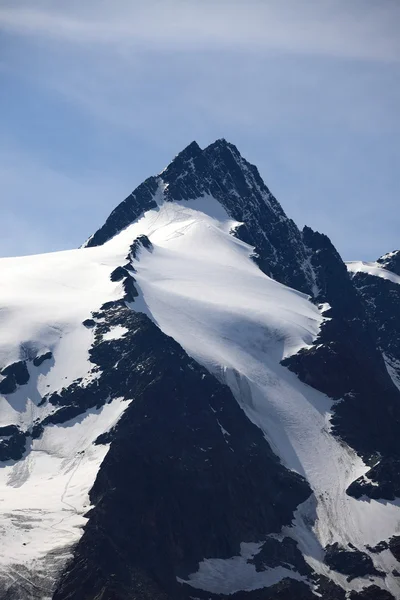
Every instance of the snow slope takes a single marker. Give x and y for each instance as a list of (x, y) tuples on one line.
[(43, 496)]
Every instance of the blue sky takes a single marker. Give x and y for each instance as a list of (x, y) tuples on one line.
[(97, 95)]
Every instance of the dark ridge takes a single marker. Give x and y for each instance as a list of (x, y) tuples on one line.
[(345, 364), (38, 360), (378, 548), (12, 443), (353, 563), (14, 375), (138, 202), (285, 553), (382, 304), (394, 546), (191, 151), (118, 274), (385, 478), (286, 589), (130, 289), (373, 592), (222, 144), (142, 241)]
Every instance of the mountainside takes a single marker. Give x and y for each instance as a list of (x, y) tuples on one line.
[(202, 402), (379, 285)]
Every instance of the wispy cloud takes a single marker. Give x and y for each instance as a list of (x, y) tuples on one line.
[(360, 29)]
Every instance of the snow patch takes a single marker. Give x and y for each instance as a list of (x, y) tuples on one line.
[(44, 496), (115, 333)]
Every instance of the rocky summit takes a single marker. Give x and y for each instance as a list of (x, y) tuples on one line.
[(200, 403)]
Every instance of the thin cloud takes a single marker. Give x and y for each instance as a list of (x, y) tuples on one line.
[(358, 30)]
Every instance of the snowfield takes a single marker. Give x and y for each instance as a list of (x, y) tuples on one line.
[(199, 284), (44, 496)]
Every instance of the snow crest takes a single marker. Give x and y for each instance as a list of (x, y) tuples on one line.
[(372, 268)]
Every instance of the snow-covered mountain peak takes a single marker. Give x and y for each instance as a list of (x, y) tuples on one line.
[(221, 172), (205, 379)]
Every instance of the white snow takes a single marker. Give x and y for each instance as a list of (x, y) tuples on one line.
[(43, 301), (44, 496), (115, 333), (372, 268)]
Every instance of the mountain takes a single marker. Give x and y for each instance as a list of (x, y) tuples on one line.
[(202, 402)]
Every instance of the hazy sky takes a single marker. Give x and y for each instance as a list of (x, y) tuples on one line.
[(96, 95)]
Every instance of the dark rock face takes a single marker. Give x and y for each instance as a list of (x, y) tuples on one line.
[(373, 592), (381, 481), (173, 487), (124, 274), (130, 289), (8, 385), (14, 375), (89, 323), (38, 360), (328, 590), (382, 303), (286, 589), (274, 553), (118, 274), (350, 562), (346, 364), (379, 547), (381, 299), (138, 202), (12, 443), (220, 170), (142, 241), (394, 546)]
